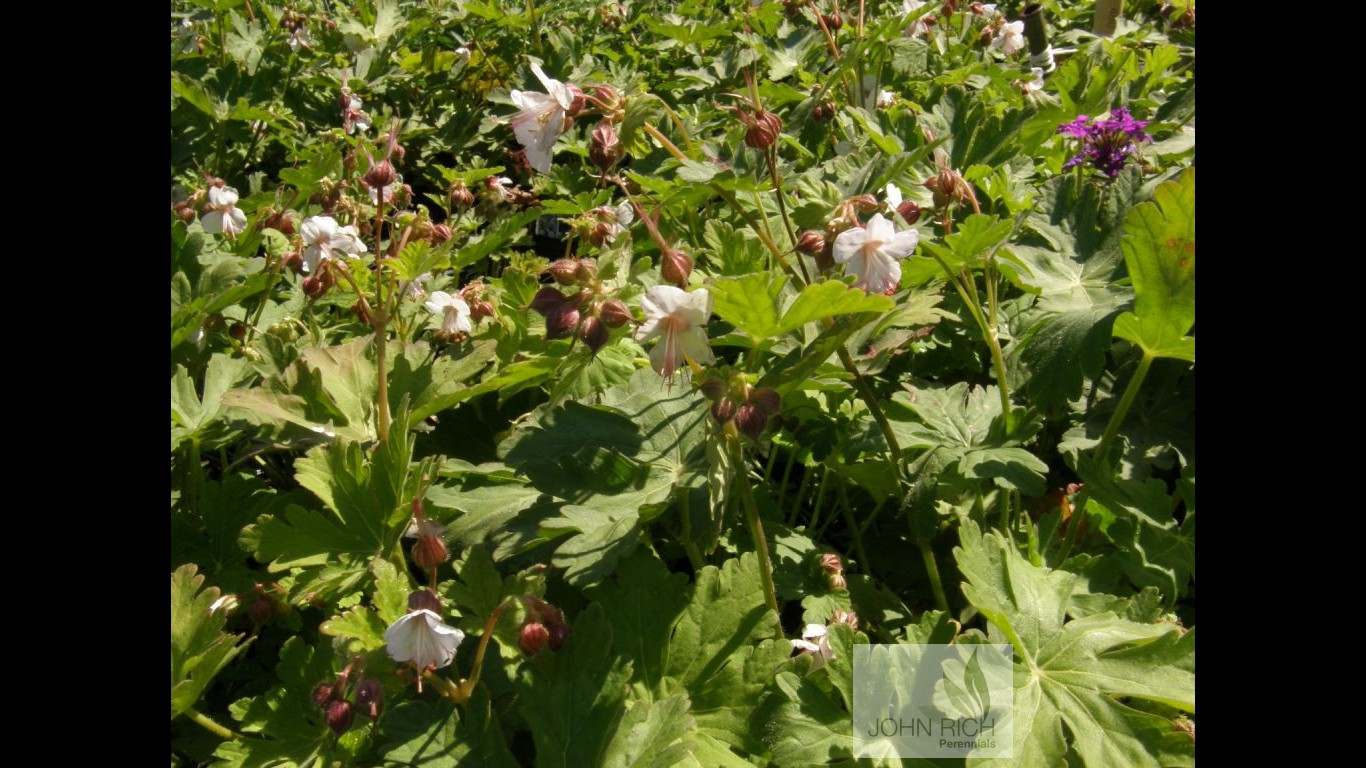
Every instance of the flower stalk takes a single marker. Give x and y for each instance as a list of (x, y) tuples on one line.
[(756, 526)]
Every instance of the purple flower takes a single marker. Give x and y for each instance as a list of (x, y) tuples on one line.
[(1106, 144)]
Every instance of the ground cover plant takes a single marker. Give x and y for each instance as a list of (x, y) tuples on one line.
[(567, 383)]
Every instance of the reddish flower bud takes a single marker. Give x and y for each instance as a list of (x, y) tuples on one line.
[(830, 563), (833, 20), (398, 153), (313, 287), (723, 410), (763, 130), (675, 267), (480, 310), (593, 333), (866, 204), (440, 234), (909, 211), (461, 196), (547, 300), (586, 272), (559, 632), (424, 600), (614, 313), (560, 324), (370, 697), (604, 146), (836, 581), (294, 261), (533, 638), (576, 103), (811, 242), (565, 271), (429, 552), (380, 175), (846, 617), (339, 716), (261, 610), (768, 400), (213, 322), (323, 693), (751, 420), (237, 331)]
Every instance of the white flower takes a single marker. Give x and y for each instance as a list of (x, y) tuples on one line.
[(1011, 40), (226, 604), (324, 239), (421, 526), (415, 289), (1032, 86), (911, 6), (872, 254), (540, 118), (885, 99), (300, 39), (462, 54), (422, 639), (816, 641), (677, 317), (454, 311), (352, 116), (225, 218), (388, 194)]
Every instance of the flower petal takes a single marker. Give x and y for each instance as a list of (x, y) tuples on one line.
[(893, 196), (437, 301), (212, 222), (694, 343), (902, 244), (848, 243), (880, 229), (695, 307)]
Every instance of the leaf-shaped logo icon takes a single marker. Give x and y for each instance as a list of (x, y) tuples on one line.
[(961, 691)]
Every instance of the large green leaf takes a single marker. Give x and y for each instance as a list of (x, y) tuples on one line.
[(642, 603), (653, 734), (1156, 550), (1159, 248), (575, 699), (199, 646), (959, 420), (1070, 678), (752, 304), (284, 726), (434, 734), (725, 648)]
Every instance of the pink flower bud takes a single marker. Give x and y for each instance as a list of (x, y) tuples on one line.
[(614, 313), (593, 333), (424, 600), (548, 300), (811, 242), (604, 147), (339, 716), (751, 420), (370, 697), (675, 267), (533, 638)]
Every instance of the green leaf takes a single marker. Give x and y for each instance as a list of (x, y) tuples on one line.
[(305, 179), (966, 248), (199, 646), (653, 734), (959, 419), (830, 299), (750, 303), (642, 602), (434, 734), (285, 727), (1159, 249), (575, 699), (1075, 674), (508, 515), (725, 649), (1156, 550)]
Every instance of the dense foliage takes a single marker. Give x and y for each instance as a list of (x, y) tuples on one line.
[(574, 384)]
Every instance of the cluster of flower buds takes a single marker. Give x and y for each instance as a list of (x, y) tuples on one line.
[(845, 617), (601, 226), (473, 294), (545, 625), (588, 312), (499, 191), (948, 186), (761, 126), (604, 146), (736, 399), (317, 285), (834, 571), (353, 117), (611, 14), (331, 698)]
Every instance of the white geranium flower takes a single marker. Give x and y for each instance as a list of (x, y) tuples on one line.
[(678, 318), (911, 6), (873, 254), (300, 39), (325, 239), (1034, 85), (540, 118), (225, 218), (1011, 40), (816, 641), (455, 312), (423, 640), (885, 99)]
